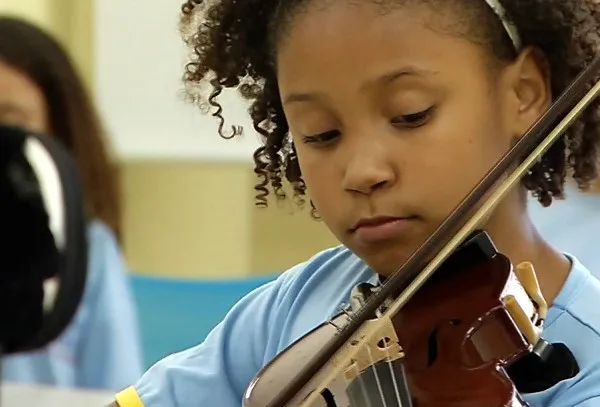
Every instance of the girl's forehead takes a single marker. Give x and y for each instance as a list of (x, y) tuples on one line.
[(362, 25), (355, 39)]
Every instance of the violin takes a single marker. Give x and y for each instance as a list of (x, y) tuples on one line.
[(456, 325)]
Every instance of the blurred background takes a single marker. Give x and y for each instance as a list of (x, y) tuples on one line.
[(191, 238), (181, 184)]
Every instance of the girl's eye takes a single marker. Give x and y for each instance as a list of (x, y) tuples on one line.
[(322, 138), (414, 119)]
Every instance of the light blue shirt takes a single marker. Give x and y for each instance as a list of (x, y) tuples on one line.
[(572, 224), (266, 321), (101, 347)]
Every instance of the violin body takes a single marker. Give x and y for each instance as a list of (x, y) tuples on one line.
[(447, 347), (458, 336)]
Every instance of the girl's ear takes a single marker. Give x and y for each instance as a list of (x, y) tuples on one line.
[(527, 89)]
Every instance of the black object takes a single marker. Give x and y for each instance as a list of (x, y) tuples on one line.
[(43, 228), (543, 368)]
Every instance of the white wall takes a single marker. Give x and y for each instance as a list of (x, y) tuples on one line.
[(139, 62)]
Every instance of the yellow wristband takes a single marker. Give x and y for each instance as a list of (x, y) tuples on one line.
[(129, 398)]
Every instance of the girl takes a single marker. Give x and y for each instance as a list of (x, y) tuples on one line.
[(40, 90), (388, 113)]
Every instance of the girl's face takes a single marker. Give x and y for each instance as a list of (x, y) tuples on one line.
[(395, 119), (22, 103)]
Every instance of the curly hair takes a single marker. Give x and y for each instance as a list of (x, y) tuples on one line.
[(232, 43), (72, 115)]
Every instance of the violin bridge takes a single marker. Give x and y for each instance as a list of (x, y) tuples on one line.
[(383, 347)]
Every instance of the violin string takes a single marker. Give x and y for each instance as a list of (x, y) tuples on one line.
[(377, 379), (363, 385), (393, 375), (469, 226)]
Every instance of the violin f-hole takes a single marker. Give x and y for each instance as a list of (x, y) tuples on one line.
[(432, 342), (328, 397)]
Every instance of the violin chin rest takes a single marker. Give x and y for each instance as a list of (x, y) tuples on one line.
[(538, 371)]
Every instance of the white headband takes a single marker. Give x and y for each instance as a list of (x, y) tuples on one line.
[(510, 28)]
